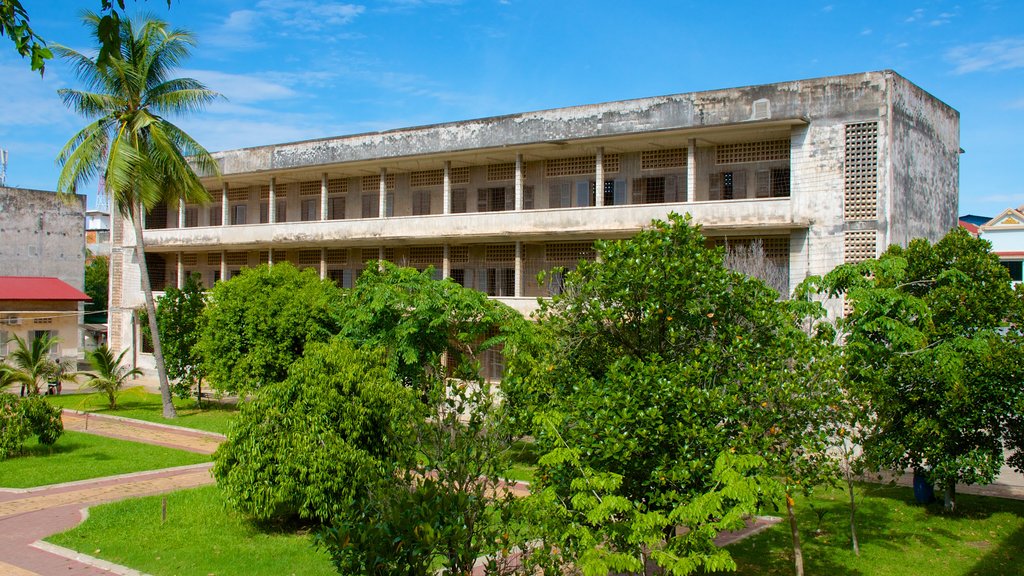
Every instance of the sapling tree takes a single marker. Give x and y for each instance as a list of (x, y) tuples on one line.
[(179, 317)]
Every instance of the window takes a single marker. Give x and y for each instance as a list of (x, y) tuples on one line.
[(614, 192), (191, 217), (341, 277), (494, 200), (773, 183), (654, 190), (559, 195), (459, 201), (282, 211), (216, 276), (527, 197), (216, 215), (421, 202), (727, 185), (238, 214), (1016, 270), (458, 275), (371, 205), (336, 208), (310, 210), (264, 212)]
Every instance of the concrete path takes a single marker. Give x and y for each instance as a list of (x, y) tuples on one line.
[(28, 515)]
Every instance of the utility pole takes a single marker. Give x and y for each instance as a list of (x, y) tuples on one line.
[(3, 167)]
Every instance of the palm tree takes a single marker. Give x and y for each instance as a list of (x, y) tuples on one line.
[(143, 159), (31, 366), (109, 376)]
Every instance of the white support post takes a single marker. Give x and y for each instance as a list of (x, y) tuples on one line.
[(181, 212), (519, 181), (446, 263), (519, 269), (323, 200), (223, 265), (225, 212), (599, 177), (181, 270), (323, 263), (383, 194), (447, 188), (272, 199), (691, 170)]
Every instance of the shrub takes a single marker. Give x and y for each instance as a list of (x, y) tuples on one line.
[(24, 417)]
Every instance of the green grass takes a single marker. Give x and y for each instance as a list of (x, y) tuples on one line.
[(141, 405), (897, 537), (79, 456), (524, 461), (201, 537)]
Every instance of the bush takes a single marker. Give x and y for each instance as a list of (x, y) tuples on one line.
[(43, 419), (24, 417), (322, 440), (13, 427)]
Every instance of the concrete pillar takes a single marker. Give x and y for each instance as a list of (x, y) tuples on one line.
[(383, 196), (446, 263), (272, 207), (447, 199), (691, 170), (599, 177), (270, 257), (519, 181), (519, 269), (181, 212), (323, 261), (225, 212), (380, 255), (323, 200), (223, 265), (181, 271)]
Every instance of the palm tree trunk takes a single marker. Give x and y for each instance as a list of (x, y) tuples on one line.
[(158, 352)]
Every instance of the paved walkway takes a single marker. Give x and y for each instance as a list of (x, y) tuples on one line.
[(145, 432)]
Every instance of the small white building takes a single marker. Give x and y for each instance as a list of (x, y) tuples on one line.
[(1006, 233)]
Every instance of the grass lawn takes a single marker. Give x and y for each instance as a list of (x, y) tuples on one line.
[(897, 537), (201, 537), (141, 405), (78, 456)]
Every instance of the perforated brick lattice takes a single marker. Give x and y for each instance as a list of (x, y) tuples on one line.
[(371, 183), (569, 252), (860, 173), (764, 151), (655, 159), (500, 253), (337, 186), (459, 175), (367, 254), (265, 192), (309, 188), (309, 257), (336, 256), (213, 259), (426, 178), (458, 254), (579, 165), (238, 194), (190, 259), (859, 245), (236, 258), (501, 172), (426, 254)]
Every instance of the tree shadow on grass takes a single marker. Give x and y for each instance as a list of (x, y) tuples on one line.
[(1004, 559)]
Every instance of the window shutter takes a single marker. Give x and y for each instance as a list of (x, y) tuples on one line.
[(390, 199), (510, 198), (369, 206), (583, 193), (481, 279), (638, 191), (282, 211), (620, 192), (527, 197), (763, 184), (670, 189), (554, 197), (715, 186), (481, 199), (459, 201), (739, 184)]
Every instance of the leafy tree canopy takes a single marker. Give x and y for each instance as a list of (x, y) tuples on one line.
[(179, 315), (97, 274), (259, 322)]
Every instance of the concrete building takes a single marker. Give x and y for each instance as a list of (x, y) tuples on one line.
[(1006, 233), (97, 232), (31, 306), (42, 235), (823, 171)]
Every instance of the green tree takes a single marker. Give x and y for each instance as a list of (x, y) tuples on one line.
[(97, 278), (109, 374), (31, 366), (925, 343), (258, 323), (139, 153), (655, 390), (179, 315), (23, 417), (322, 441)]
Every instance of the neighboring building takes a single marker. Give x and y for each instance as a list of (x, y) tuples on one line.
[(42, 235), (97, 232), (1006, 233), (823, 171), (972, 223), (31, 306)]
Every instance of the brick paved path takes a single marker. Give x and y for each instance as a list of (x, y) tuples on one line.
[(145, 432)]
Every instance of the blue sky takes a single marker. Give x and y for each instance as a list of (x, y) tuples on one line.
[(298, 69)]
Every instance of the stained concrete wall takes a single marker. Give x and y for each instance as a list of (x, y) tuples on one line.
[(41, 235)]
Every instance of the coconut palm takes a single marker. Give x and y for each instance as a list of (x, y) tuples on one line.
[(109, 375), (31, 366), (144, 160)]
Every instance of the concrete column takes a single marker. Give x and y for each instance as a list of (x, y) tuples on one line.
[(691, 170), (519, 181), (599, 177), (519, 269), (223, 265), (446, 263), (383, 195), (380, 256), (272, 207), (225, 212), (323, 200), (323, 260), (270, 258), (181, 271), (181, 213), (447, 190)]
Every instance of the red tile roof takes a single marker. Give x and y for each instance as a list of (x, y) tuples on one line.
[(37, 288)]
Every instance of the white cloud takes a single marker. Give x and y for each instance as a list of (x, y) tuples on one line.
[(244, 29), (1005, 54), (309, 15), (866, 32), (241, 88), (915, 15), (30, 100)]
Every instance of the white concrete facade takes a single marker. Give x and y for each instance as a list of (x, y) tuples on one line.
[(824, 171)]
